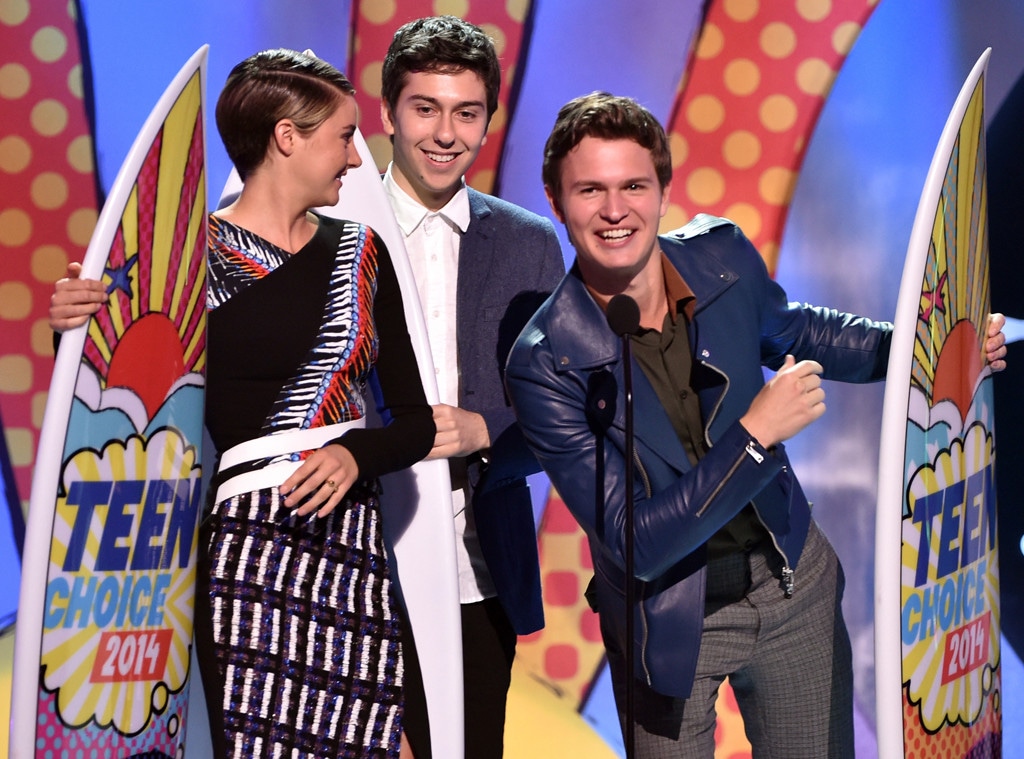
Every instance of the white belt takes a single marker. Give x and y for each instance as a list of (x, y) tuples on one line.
[(270, 446)]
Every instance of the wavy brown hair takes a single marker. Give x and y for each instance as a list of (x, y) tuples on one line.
[(267, 87), (607, 117)]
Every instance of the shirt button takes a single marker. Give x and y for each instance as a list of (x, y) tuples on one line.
[(564, 361)]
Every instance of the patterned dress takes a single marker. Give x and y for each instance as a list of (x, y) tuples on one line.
[(298, 632)]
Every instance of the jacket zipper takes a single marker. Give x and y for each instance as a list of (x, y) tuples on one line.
[(707, 439), (718, 404), (643, 613), (788, 576), (788, 580)]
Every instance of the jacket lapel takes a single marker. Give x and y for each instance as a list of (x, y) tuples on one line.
[(651, 425), (475, 257), (581, 341)]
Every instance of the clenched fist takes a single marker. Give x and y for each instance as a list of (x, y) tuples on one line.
[(789, 402)]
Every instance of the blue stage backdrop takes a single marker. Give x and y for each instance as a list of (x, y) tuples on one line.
[(12, 537)]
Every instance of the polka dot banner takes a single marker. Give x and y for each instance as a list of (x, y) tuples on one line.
[(47, 203), (568, 653), (374, 24), (756, 84)]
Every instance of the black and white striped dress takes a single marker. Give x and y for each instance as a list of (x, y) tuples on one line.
[(298, 615)]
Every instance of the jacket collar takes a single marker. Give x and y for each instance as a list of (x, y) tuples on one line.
[(697, 263), (578, 331), (479, 208)]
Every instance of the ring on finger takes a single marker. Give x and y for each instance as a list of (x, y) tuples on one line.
[(331, 484)]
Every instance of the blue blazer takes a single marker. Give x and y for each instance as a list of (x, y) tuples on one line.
[(509, 261)]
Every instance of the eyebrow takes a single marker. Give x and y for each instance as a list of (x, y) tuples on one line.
[(584, 182), (436, 102)]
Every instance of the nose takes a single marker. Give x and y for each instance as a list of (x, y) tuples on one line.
[(614, 209), (444, 131), (352, 158)]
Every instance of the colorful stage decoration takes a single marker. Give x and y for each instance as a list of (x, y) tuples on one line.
[(105, 614), (937, 565), (48, 204), (748, 105)]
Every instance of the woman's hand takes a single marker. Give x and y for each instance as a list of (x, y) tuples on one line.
[(74, 299), (325, 476)]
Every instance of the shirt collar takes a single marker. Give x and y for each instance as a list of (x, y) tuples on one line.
[(680, 296), (409, 212)]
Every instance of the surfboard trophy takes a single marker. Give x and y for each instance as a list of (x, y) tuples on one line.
[(104, 627), (936, 562)]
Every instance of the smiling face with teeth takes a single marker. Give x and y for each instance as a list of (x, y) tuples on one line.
[(438, 125), (611, 202), (322, 156)]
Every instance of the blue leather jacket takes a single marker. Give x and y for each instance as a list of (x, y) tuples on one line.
[(564, 377)]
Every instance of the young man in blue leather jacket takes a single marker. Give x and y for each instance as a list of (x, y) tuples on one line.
[(732, 577)]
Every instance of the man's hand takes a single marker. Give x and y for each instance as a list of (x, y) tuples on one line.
[(325, 476), (74, 299), (459, 432), (995, 345), (789, 402)]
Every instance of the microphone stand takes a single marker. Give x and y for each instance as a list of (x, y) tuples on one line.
[(623, 316), (627, 366)]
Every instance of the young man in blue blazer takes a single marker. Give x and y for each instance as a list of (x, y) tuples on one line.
[(482, 266)]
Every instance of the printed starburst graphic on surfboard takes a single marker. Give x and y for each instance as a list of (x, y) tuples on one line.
[(950, 570), (155, 333)]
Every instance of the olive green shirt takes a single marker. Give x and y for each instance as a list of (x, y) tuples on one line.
[(667, 362)]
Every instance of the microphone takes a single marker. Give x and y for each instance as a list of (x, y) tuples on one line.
[(623, 316)]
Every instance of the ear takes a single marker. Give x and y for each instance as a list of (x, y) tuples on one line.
[(666, 191), (556, 208), (285, 136), (386, 119)]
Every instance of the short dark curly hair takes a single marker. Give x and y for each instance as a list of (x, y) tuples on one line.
[(440, 45), (267, 87)]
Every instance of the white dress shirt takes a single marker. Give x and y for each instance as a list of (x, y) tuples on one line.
[(432, 242)]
